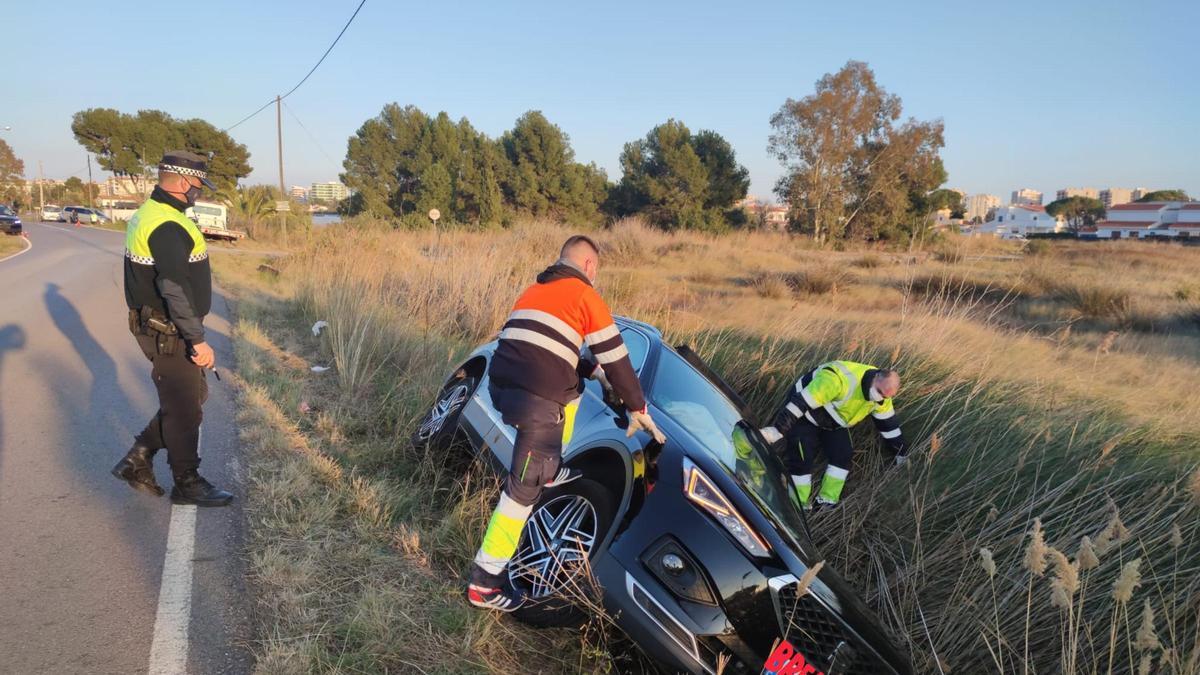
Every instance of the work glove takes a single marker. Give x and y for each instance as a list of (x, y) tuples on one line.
[(599, 376), (901, 459), (771, 435), (640, 420)]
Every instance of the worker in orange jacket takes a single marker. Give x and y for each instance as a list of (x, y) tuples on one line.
[(535, 383)]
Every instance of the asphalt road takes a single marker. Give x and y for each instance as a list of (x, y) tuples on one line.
[(81, 554)]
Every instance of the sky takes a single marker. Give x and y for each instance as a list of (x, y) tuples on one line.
[(1033, 94)]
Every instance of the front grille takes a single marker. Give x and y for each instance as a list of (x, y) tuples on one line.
[(812, 629)]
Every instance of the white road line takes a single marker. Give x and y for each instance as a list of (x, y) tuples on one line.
[(28, 245), (169, 649)]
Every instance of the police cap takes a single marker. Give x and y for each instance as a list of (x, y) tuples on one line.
[(187, 163)]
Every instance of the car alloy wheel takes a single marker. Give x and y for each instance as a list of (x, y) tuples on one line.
[(556, 544), (448, 405)]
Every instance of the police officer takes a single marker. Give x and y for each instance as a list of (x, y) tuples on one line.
[(817, 416), (168, 288)]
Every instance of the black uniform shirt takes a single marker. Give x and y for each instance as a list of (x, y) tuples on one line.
[(174, 285)]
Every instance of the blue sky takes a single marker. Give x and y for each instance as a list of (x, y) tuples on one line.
[(1044, 95)]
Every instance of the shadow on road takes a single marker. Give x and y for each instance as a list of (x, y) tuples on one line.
[(104, 388), (12, 338)]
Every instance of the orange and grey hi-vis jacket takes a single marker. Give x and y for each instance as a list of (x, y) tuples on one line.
[(549, 324)]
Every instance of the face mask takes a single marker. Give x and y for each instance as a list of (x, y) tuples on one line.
[(192, 194)]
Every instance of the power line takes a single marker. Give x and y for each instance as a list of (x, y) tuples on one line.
[(310, 134), (310, 72)]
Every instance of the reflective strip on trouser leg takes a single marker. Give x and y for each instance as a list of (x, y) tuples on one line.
[(503, 534), (803, 485), (569, 411), (832, 483)]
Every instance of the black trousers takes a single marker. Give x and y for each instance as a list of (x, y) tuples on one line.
[(182, 391), (538, 449), (805, 439)]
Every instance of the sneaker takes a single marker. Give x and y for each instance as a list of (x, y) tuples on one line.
[(491, 591), (565, 475), (824, 506)]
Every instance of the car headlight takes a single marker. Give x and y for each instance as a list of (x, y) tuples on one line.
[(701, 492)]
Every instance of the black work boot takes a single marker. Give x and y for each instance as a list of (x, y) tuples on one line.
[(137, 469), (191, 488)]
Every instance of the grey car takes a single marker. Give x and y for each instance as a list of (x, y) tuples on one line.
[(696, 545)]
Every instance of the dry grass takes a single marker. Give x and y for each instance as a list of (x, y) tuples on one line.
[(10, 245), (1018, 409)]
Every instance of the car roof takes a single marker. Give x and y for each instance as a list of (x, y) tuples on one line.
[(640, 326)]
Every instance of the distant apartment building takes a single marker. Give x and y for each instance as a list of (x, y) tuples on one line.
[(1026, 196), (1150, 219), (328, 192), (1067, 193), (1114, 196), (299, 192), (979, 206), (1022, 219), (127, 186)]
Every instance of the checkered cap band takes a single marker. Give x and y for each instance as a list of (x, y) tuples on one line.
[(183, 170)]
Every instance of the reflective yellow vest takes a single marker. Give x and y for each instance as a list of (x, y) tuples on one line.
[(146, 220), (837, 387)]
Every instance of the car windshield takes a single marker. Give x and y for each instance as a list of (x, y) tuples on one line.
[(5, 211), (687, 397)]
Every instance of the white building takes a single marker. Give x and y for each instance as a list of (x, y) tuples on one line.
[(299, 192), (1026, 196), (1021, 219), (979, 206), (1151, 219), (332, 191)]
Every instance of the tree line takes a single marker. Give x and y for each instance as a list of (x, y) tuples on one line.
[(403, 162), (854, 167)]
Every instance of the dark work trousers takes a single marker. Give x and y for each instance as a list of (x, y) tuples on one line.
[(804, 439), (182, 391), (538, 450)]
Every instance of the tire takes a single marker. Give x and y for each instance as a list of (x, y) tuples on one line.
[(439, 426), (547, 605)]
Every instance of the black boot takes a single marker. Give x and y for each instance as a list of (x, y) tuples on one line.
[(191, 488), (137, 469)]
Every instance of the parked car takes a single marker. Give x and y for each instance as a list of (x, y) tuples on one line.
[(697, 544), (51, 213), (82, 214), (10, 222)]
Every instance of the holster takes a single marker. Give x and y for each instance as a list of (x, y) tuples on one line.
[(149, 322)]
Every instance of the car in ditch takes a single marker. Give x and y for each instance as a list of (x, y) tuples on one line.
[(696, 544)]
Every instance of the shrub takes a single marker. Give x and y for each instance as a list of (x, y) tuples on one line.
[(770, 285), (868, 262), (818, 281), (1098, 302), (950, 256), (1037, 247)]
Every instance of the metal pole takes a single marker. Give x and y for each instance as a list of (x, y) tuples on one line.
[(41, 189), (279, 138), (89, 185)]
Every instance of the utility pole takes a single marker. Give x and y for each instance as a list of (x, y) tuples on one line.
[(282, 193), (41, 188), (89, 185)]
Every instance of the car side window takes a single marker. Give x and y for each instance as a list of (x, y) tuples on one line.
[(638, 347)]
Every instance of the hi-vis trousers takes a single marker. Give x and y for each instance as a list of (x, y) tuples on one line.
[(544, 428)]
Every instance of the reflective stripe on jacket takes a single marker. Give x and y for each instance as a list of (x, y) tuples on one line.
[(549, 324)]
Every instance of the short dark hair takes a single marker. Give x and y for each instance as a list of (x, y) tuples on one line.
[(575, 239)]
